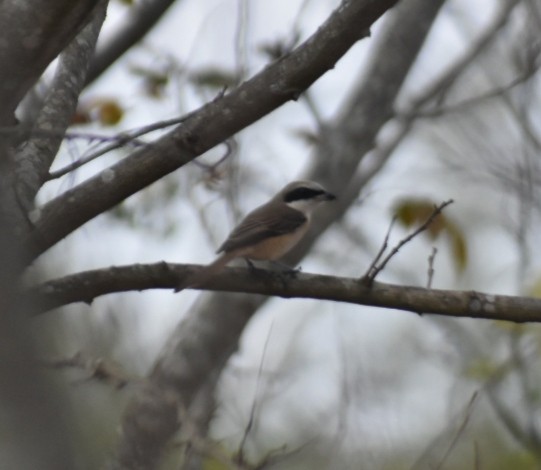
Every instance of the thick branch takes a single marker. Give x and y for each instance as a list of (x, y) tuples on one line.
[(32, 34), (142, 18), (38, 152), (86, 286), (280, 82)]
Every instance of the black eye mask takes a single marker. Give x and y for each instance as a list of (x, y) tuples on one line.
[(303, 193)]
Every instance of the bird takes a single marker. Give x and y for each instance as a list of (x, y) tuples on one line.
[(268, 232)]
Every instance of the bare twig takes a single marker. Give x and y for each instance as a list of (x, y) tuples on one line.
[(141, 18), (240, 458), (439, 450), (241, 39), (459, 432), (384, 246), (230, 148), (462, 105), (125, 138), (23, 132), (373, 272), (445, 81), (119, 141)]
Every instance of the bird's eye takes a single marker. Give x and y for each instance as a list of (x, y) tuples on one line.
[(302, 193)]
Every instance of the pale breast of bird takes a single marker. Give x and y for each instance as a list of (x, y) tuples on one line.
[(275, 247)]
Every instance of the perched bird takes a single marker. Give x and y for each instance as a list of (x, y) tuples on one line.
[(269, 231)]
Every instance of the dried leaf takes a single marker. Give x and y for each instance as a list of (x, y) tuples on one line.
[(106, 111), (413, 212), (110, 112), (154, 81), (214, 78)]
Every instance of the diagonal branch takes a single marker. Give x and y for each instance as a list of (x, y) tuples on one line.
[(38, 152), (142, 18)]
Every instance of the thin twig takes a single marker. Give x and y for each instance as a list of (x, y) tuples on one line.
[(230, 148), (442, 84), (462, 105), (459, 432), (384, 246), (251, 420), (121, 140), (372, 273), (125, 138)]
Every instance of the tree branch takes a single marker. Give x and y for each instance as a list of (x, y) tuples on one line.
[(38, 151), (278, 83), (142, 18), (86, 286), (31, 36)]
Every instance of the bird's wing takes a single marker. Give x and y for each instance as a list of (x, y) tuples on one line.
[(263, 222)]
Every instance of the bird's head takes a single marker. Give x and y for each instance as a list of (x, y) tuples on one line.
[(304, 196)]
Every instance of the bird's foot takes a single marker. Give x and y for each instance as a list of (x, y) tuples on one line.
[(285, 273), (285, 269), (251, 266)]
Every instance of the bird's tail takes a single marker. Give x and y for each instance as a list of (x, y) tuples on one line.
[(200, 278)]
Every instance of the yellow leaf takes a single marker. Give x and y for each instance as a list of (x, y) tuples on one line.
[(106, 111), (415, 212), (110, 112), (412, 211)]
